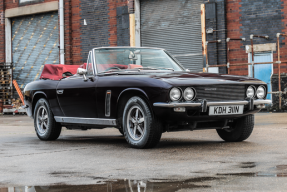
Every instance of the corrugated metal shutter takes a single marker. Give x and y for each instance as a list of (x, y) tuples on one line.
[(34, 43), (174, 25)]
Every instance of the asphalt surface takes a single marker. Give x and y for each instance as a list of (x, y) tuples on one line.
[(100, 160)]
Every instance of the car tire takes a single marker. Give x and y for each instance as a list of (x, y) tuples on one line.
[(239, 131), (141, 129), (46, 127)]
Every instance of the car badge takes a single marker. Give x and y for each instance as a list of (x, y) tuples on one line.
[(210, 89)]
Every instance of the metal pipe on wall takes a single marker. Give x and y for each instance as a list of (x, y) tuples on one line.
[(252, 52), (252, 49), (279, 70), (62, 42), (203, 36), (227, 55)]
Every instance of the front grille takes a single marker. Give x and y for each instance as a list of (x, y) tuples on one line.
[(220, 92)]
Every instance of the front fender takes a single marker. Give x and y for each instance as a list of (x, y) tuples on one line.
[(132, 89)]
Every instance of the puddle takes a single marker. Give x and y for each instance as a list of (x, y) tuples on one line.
[(246, 165), (281, 167), (119, 186), (152, 185), (260, 174)]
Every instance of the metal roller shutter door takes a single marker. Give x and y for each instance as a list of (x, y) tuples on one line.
[(34, 43), (174, 25)]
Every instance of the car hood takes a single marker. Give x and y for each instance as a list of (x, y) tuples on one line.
[(187, 78)]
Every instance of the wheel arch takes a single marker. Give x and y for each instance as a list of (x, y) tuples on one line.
[(37, 95), (125, 95)]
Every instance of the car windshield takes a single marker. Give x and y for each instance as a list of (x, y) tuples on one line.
[(115, 59)]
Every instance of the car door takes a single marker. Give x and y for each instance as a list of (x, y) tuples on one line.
[(77, 96)]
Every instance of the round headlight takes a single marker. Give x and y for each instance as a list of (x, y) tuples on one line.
[(261, 92), (250, 92), (189, 94), (175, 94)]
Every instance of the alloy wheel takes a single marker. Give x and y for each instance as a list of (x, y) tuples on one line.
[(136, 123), (42, 120)]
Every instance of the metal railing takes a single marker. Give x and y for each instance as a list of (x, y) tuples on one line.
[(278, 62)]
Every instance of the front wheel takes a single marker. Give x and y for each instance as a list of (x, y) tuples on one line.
[(45, 125), (141, 129), (239, 131)]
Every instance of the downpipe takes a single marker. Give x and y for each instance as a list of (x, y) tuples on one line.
[(62, 46)]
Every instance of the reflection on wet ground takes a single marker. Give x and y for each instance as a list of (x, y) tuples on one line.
[(153, 185), (118, 186)]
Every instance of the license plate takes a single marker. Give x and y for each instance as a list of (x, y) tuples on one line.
[(226, 110)]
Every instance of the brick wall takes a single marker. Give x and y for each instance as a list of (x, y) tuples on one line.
[(15, 3), (237, 53), (258, 17), (216, 19), (107, 25)]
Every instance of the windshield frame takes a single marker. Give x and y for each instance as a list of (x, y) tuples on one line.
[(127, 47)]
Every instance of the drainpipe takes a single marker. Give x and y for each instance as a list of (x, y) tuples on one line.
[(62, 48)]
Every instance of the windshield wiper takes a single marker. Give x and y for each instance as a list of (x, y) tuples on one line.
[(166, 68), (144, 68), (111, 70), (158, 68)]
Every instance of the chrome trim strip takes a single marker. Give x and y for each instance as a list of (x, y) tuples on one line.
[(214, 103), (261, 101), (220, 103), (172, 105), (89, 121), (108, 103), (121, 47)]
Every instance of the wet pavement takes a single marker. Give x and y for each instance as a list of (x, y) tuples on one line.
[(100, 160)]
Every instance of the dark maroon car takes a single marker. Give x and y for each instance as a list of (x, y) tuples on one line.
[(144, 92)]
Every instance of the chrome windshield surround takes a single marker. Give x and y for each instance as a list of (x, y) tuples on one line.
[(211, 103), (126, 47)]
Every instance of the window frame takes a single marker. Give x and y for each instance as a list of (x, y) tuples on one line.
[(92, 59)]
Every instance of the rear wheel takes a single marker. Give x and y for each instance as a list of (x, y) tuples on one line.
[(45, 125), (239, 131), (141, 129)]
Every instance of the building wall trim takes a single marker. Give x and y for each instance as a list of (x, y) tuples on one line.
[(8, 40), (32, 9), (261, 47), (137, 23)]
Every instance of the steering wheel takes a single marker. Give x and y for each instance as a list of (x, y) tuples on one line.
[(112, 68)]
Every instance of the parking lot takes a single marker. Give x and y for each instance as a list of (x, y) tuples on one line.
[(197, 160)]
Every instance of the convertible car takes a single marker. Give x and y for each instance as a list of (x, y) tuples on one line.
[(144, 92)]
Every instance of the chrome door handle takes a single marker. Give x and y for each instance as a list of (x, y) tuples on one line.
[(60, 91)]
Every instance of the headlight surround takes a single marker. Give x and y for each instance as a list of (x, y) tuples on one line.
[(189, 94), (261, 92), (175, 94), (250, 92)]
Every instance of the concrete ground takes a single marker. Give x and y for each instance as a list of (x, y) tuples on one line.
[(182, 161)]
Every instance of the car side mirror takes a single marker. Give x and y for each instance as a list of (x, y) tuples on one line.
[(83, 72), (133, 56)]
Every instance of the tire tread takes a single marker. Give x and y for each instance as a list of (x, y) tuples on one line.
[(155, 127), (242, 130)]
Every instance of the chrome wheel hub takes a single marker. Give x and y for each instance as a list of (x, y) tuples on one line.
[(42, 120), (136, 123)]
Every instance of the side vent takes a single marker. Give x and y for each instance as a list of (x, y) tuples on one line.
[(108, 103)]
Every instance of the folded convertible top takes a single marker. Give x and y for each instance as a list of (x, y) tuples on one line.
[(57, 72)]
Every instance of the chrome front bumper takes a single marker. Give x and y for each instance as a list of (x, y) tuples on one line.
[(204, 104)]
